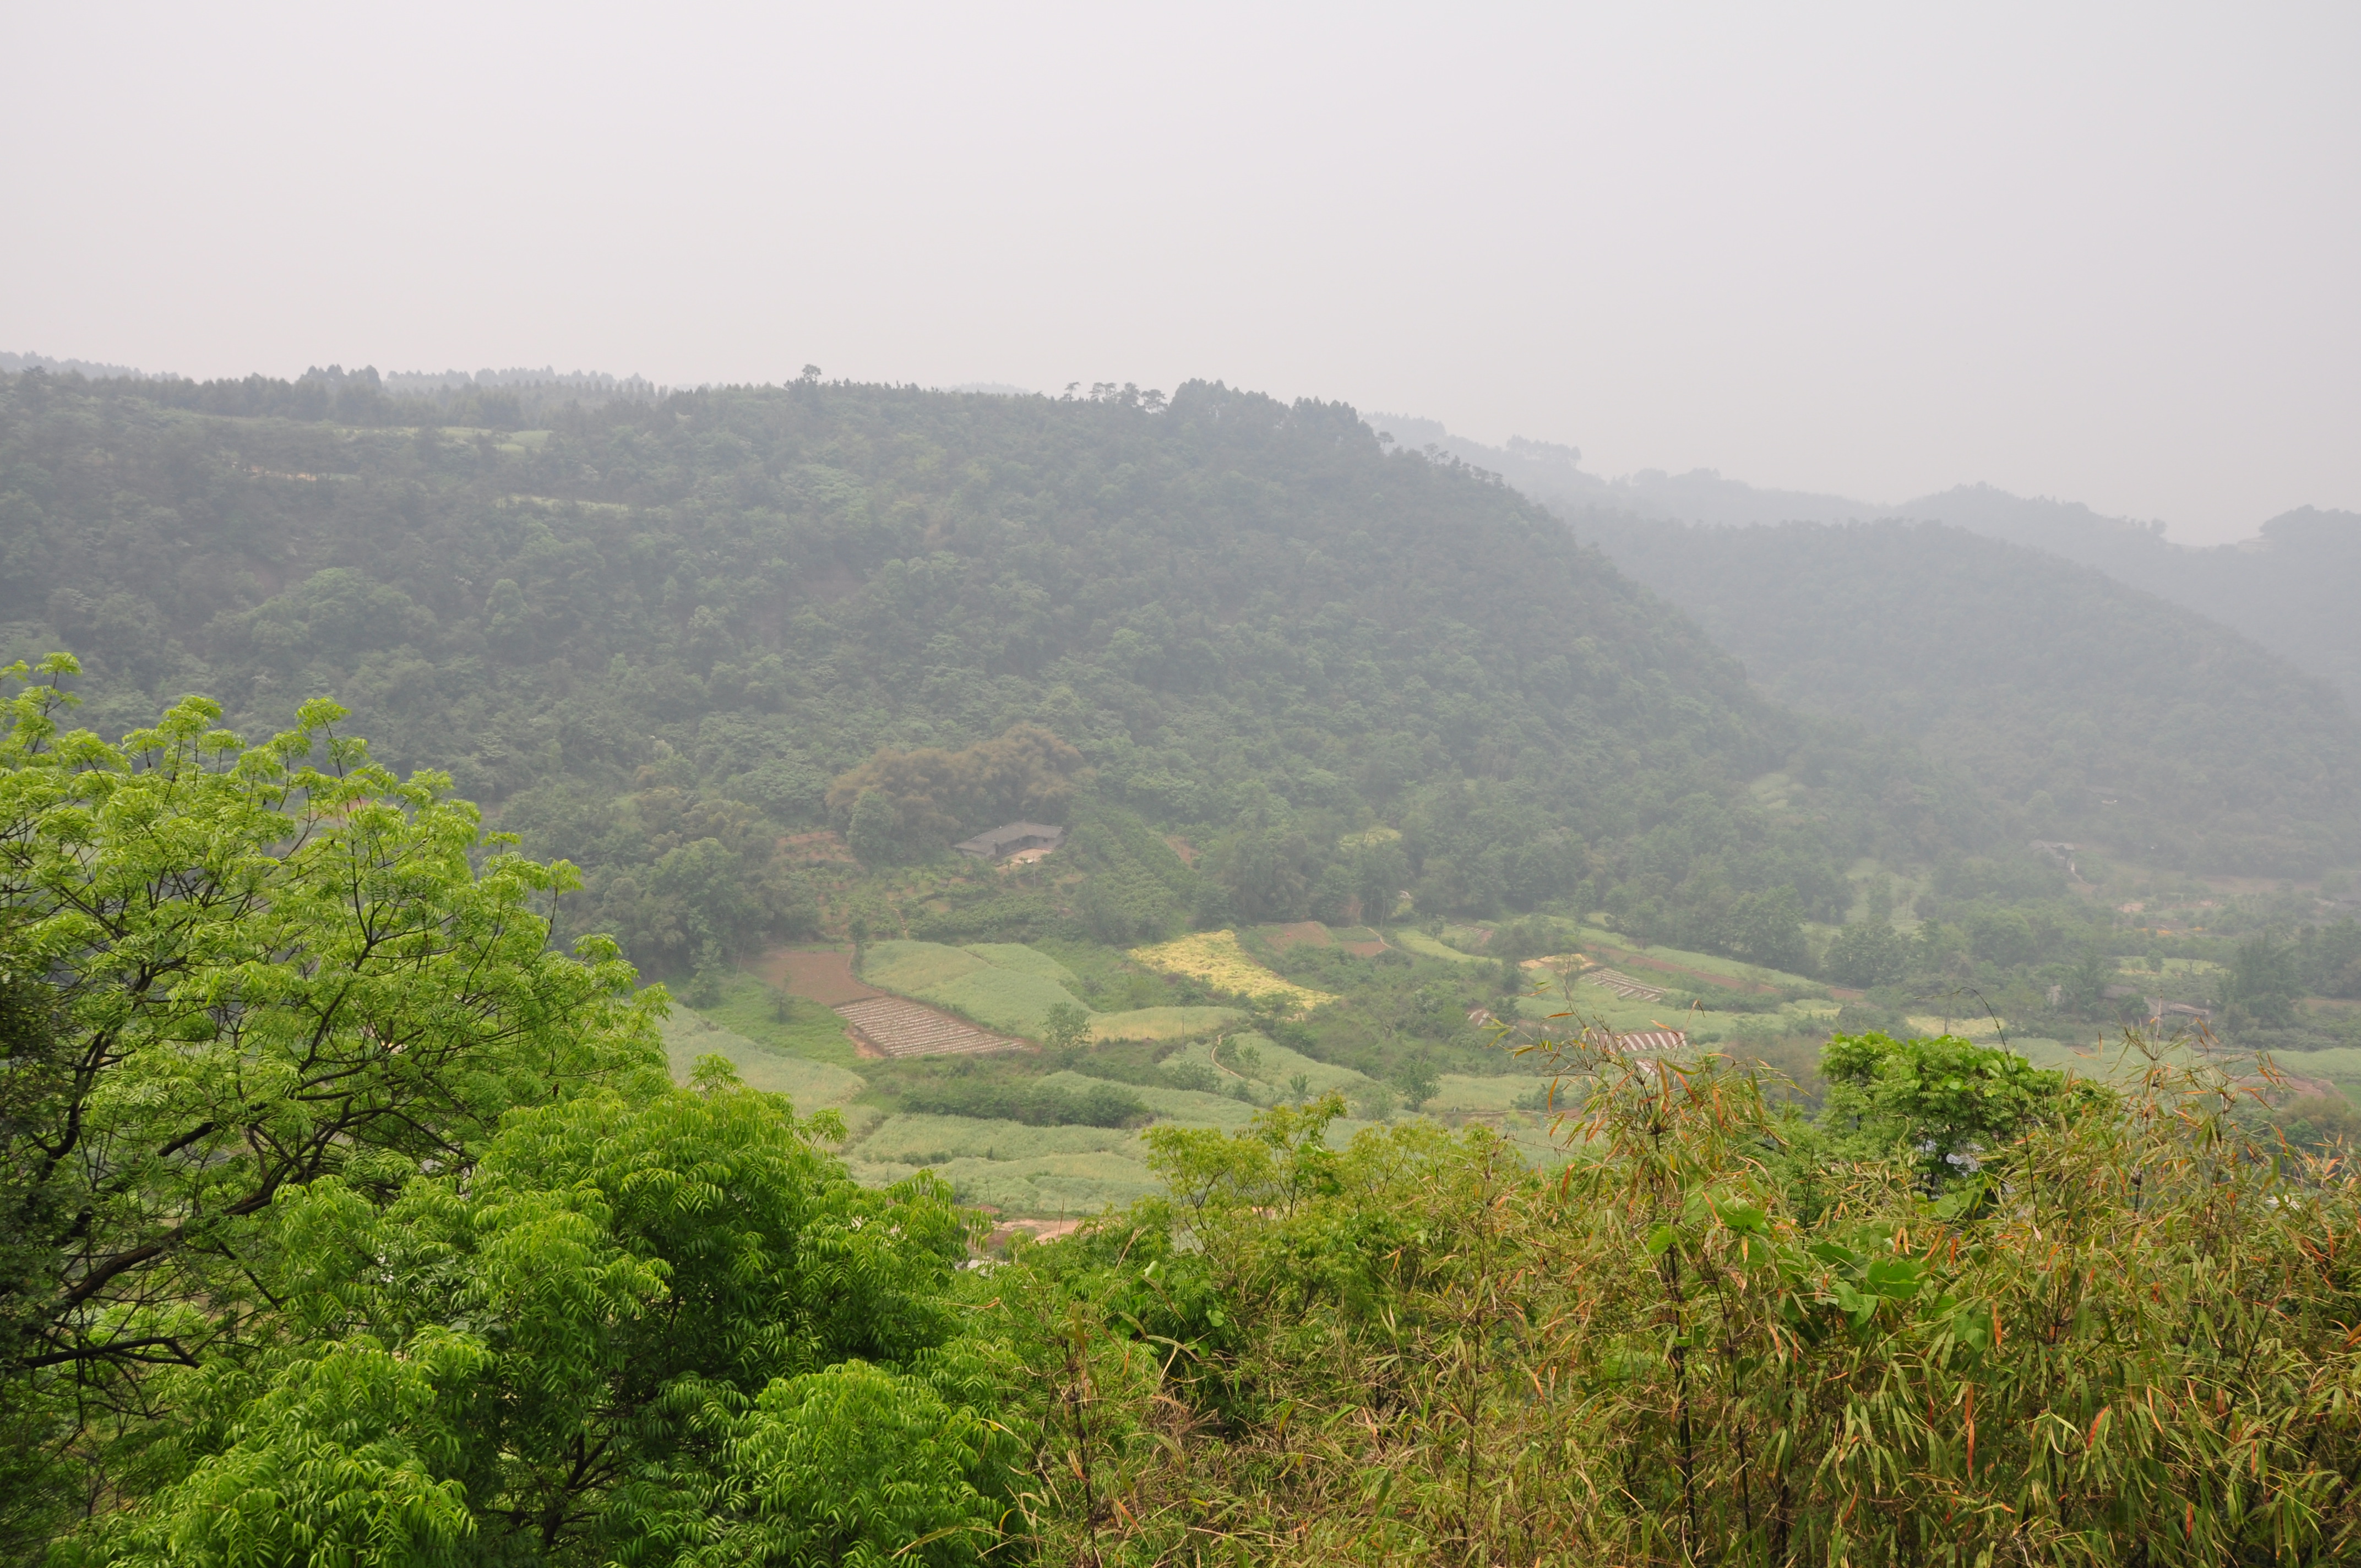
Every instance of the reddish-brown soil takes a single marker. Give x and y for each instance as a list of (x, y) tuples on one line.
[(1183, 848), (900, 1028), (822, 975)]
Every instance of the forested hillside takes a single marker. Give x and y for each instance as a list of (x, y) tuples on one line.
[(2110, 716), (2290, 587), (651, 636)]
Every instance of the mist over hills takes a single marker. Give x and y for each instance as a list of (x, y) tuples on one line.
[(2112, 716), (2290, 588)]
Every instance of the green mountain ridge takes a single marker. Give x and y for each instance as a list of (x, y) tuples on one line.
[(652, 633), (2114, 717)]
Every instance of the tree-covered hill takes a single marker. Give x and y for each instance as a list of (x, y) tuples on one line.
[(664, 628), (2110, 716), (2290, 587)]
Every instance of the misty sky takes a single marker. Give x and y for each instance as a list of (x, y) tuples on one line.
[(2105, 253)]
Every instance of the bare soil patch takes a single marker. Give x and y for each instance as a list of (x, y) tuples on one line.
[(821, 975), (900, 1028)]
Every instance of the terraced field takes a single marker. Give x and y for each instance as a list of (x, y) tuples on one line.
[(1410, 940), (901, 1028), (1624, 986), (1002, 985)]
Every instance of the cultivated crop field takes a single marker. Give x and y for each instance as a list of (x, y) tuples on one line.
[(812, 1085), (919, 1140), (915, 967), (1410, 940), (1215, 958), (1162, 1023), (1001, 985), (1612, 947), (1004, 999), (1023, 960)]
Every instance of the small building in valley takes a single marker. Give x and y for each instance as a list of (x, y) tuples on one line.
[(1012, 838)]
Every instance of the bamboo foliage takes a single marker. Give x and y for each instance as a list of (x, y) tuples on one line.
[(2127, 1337)]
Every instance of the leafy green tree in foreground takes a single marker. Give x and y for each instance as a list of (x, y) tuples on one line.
[(345, 1221), (249, 973), (655, 1329)]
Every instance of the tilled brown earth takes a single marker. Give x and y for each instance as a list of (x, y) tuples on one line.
[(901, 1028)]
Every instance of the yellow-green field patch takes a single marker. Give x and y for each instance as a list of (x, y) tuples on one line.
[(1003, 999), (1983, 1027), (1410, 940), (1185, 1106), (1215, 958), (1275, 1066), (917, 1140), (1050, 1184), (1022, 959), (1709, 963)]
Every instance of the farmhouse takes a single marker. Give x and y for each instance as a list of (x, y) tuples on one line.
[(1010, 840)]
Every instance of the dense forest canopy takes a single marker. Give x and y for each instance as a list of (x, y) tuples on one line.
[(652, 626)]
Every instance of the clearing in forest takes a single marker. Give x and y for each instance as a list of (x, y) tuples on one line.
[(1215, 958), (1002, 985), (823, 976)]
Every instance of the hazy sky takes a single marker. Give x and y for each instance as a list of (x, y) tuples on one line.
[(2107, 252)]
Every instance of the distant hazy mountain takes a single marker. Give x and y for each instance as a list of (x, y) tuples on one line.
[(1549, 471), (2291, 588), (2110, 716), (11, 364)]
